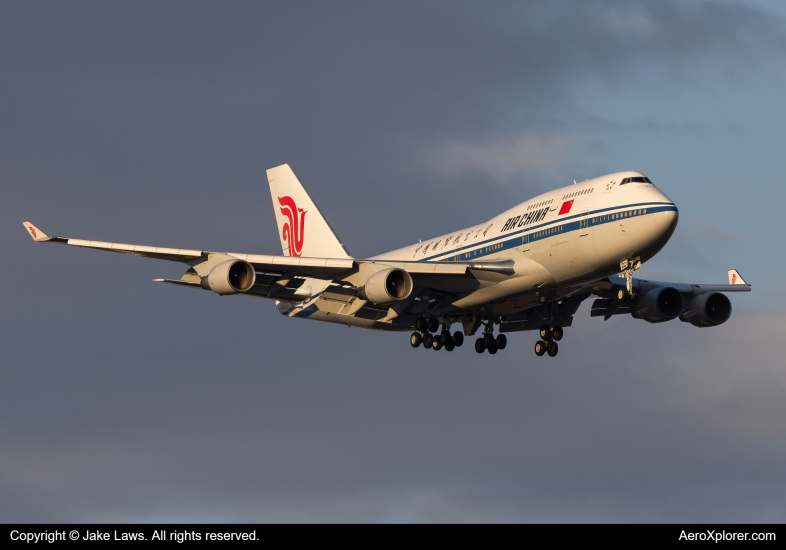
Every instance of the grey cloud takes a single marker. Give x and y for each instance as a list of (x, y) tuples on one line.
[(124, 399)]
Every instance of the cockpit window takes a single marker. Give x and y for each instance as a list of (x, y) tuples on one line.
[(637, 179)]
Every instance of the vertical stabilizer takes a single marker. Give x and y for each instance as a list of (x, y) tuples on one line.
[(302, 228)]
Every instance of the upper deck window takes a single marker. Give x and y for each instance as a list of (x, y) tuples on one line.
[(637, 179)]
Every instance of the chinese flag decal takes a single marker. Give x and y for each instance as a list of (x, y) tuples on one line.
[(565, 207)]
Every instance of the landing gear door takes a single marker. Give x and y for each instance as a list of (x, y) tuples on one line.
[(584, 224)]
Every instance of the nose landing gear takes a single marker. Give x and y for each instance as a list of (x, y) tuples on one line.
[(627, 293)]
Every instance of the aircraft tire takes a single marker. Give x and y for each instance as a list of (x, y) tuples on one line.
[(449, 346), (433, 324), (437, 345), (633, 297), (428, 340), (480, 345), (545, 333), (557, 333), (553, 349), (458, 338), (488, 338), (540, 348), (415, 339), (622, 294), (421, 324), (502, 341), (446, 338), (492, 348)]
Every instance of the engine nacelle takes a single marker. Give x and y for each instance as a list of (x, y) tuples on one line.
[(230, 277), (707, 310), (659, 304), (386, 286)]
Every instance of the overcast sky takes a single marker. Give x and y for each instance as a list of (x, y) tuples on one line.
[(153, 123)]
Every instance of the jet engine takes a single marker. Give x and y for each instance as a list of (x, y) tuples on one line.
[(386, 286), (707, 310), (658, 305), (230, 277)]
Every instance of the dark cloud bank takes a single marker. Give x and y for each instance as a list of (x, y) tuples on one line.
[(154, 122)]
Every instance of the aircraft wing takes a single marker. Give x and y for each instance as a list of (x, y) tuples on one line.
[(323, 268), (736, 284), (607, 305)]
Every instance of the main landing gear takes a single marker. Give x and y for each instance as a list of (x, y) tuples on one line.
[(488, 342), (423, 335), (548, 342)]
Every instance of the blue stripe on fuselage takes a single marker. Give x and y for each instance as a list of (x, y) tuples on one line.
[(513, 239)]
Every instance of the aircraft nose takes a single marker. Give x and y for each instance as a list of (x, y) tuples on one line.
[(667, 220)]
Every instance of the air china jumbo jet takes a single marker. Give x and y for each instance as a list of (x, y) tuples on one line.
[(527, 269)]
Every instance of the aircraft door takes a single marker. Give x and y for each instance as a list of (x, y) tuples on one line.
[(584, 224), (525, 243)]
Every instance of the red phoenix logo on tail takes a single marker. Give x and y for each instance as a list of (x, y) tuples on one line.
[(32, 230), (733, 278), (294, 226)]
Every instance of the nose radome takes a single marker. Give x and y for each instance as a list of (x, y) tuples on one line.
[(666, 223), (667, 220)]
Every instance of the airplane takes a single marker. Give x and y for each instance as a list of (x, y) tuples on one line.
[(529, 268)]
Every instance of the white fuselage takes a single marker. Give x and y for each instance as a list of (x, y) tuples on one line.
[(587, 239), (554, 243)]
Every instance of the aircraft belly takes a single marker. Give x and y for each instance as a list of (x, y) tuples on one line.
[(511, 287), (559, 259)]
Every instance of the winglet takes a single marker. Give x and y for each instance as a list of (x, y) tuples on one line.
[(735, 278), (38, 235)]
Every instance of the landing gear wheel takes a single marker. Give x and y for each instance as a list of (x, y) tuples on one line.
[(428, 340), (487, 339), (502, 341), (421, 324), (557, 333), (553, 349), (458, 338), (480, 345), (545, 333), (446, 338), (433, 324), (437, 345), (540, 348), (492, 347), (416, 339), (622, 294), (633, 297), (449, 346)]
